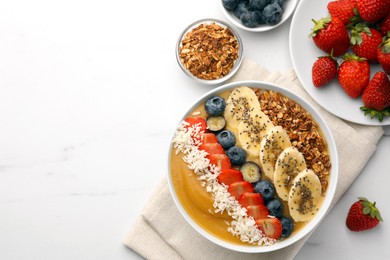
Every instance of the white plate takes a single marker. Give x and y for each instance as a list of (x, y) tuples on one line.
[(303, 54), (289, 7)]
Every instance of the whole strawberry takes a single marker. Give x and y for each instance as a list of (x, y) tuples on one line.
[(330, 33), (324, 70), (342, 9), (363, 215), (376, 97), (372, 11), (365, 42), (354, 74), (383, 54)]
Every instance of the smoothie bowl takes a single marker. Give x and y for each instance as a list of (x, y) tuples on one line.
[(252, 167)]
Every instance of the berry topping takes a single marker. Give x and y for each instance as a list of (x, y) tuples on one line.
[(236, 155), (266, 189), (226, 138), (215, 106)]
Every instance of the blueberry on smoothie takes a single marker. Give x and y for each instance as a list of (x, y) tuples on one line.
[(226, 139), (215, 123), (266, 189), (275, 207), (287, 226), (236, 155), (215, 106), (230, 4)]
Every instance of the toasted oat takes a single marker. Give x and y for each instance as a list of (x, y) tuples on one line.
[(209, 51), (303, 131)]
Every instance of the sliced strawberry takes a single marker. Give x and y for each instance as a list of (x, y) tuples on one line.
[(199, 125), (230, 176), (197, 122), (238, 188), (250, 199), (212, 148), (257, 211), (220, 160), (271, 227), (209, 138)]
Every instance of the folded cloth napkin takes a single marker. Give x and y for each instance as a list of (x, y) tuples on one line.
[(160, 232)]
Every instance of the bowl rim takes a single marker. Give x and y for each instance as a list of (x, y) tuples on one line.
[(237, 63), (261, 28), (331, 189)]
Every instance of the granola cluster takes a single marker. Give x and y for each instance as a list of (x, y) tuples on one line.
[(209, 51), (303, 131)]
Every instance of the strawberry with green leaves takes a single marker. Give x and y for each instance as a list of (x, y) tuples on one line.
[(372, 11), (343, 9), (376, 97), (330, 33), (363, 215), (354, 75), (365, 42), (383, 53), (324, 70)]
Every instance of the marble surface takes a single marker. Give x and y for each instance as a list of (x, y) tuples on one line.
[(89, 95)]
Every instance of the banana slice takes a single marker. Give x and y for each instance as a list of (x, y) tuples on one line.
[(251, 131), (305, 196), (273, 143), (239, 102), (289, 163)]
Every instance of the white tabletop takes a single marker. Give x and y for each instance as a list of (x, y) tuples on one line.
[(89, 95)]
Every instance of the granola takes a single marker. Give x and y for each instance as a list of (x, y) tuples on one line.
[(209, 51), (303, 131)]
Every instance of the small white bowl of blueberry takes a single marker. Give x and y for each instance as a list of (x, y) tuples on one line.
[(258, 15)]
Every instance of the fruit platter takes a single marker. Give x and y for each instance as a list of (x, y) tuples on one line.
[(252, 167), (340, 51)]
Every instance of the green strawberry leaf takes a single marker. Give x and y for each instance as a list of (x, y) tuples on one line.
[(366, 210), (372, 113), (378, 216)]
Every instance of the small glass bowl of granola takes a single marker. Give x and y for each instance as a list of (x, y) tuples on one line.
[(209, 51)]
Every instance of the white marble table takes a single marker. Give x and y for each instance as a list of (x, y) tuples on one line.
[(89, 95)]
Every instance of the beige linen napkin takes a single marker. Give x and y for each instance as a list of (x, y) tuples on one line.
[(160, 232)]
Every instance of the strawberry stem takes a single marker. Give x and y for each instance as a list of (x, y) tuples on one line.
[(372, 113)]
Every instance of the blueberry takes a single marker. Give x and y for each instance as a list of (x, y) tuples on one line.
[(215, 106), (230, 4), (266, 189), (236, 155), (249, 19), (260, 19), (259, 4), (241, 8), (272, 14), (226, 139), (275, 207), (287, 226), (215, 123)]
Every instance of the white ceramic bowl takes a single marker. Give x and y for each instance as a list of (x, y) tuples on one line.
[(289, 7), (237, 63), (330, 189)]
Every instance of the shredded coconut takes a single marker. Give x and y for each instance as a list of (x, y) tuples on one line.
[(187, 140)]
